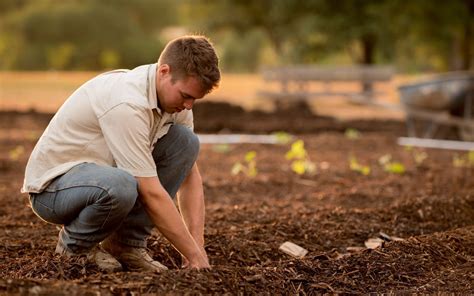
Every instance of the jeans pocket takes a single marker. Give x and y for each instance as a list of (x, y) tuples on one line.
[(43, 207)]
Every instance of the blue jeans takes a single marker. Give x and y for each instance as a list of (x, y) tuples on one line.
[(94, 202)]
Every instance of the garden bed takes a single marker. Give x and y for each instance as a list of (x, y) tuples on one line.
[(430, 206)]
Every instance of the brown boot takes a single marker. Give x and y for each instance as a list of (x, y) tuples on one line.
[(133, 258), (104, 261)]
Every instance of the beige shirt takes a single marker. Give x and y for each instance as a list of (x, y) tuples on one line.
[(111, 120)]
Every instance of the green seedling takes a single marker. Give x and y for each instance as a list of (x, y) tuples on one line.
[(352, 134), (357, 167), (16, 153), (248, 167), (391, 166), (470, 157), (458, 161), (282, 137), (464, 161), (419, 156), (301, 163), (395, 168), (221, 148)]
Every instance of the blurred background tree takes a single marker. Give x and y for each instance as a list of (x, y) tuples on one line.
[(419, 35)]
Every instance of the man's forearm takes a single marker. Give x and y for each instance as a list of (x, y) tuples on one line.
[(191, 204), (167, 219)]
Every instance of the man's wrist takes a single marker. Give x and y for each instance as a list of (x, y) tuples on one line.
[(198, 238)]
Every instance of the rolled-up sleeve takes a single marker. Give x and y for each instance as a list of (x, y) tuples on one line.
[(126, 129)]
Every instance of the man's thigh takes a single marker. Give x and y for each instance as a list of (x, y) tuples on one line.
[(84, 185)]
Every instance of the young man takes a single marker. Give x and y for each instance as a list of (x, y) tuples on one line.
[(117, 152)]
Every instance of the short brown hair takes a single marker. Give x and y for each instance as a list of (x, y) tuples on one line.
[(192, 55)]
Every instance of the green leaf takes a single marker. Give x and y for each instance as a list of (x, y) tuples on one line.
[(221, 148), (365, 170), (16, 153), (252, 170), (249, 156), (395, 168), (297, 151), (420, 157), (355, 166), (470, 157), (458, 161), (282, 137), (352, 134), (298, 166)]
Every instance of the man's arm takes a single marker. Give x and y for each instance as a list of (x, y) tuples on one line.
[(191, 204), (165, 216)]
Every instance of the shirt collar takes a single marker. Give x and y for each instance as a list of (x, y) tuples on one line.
[(152, 97)]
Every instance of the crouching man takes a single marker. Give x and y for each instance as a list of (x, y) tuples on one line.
[(117, 152)]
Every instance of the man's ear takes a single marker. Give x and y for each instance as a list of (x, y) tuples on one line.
[(164, 69)]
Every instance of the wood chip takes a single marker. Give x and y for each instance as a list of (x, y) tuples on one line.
[(293, 250), (354, 249), (373, 243)]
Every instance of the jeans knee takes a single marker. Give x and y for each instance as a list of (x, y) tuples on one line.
[(188, 141), (123, 189)]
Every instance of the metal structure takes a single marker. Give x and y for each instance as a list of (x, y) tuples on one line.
[(442, 100)]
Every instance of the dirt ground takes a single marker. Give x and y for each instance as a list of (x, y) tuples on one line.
[(430, 206)]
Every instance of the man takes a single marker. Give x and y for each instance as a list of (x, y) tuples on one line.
[(116, 153)]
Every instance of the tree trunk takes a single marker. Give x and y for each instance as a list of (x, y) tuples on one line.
[(368, 51), (467, 41)]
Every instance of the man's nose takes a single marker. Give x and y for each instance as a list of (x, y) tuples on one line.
[(188, 104)]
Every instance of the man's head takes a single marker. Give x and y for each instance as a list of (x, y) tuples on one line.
[(187, 70)]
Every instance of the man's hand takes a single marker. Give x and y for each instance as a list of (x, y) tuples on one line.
[(185, 262), (191, 205), (167, 219)]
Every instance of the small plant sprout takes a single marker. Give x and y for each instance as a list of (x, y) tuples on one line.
[(221, 148), (355, 166), (464, 161), (282, 137), (395, 168), (458, 161), (470, 157), (249, 167), (301, 162), (352, 134), (419, 156), (16, 153), (391, 166)]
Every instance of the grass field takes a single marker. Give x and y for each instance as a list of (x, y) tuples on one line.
[(46, 91)]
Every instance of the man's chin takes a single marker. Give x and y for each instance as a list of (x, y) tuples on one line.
[(171, 111)]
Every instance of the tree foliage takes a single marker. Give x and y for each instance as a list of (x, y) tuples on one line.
[(81, 35), (367, 31), (96, 34)]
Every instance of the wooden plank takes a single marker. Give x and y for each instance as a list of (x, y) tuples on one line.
[(319, 73), (434, 143), (305, 95), (237, 139)]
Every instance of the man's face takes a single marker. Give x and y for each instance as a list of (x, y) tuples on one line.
[(178, 95)]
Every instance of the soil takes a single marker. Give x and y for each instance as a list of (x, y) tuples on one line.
[(430, 206)]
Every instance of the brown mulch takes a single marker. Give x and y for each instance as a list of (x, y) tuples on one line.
[(430, 206)]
